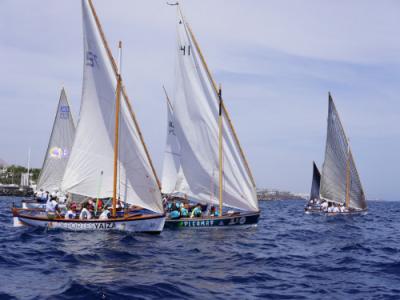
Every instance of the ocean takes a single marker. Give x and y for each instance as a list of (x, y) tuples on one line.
[(289, 255)]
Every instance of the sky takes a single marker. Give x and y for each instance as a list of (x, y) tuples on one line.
[(276, 61)]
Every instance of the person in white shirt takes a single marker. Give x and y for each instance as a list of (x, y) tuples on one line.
[(62, 199), (51, 205), (104, 215), (85, 214), (70, 214), (39, 194), (335, 209)]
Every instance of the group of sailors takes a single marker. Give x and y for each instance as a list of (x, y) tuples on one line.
[(176, 209), (325, 206), (42, 196), (60, 205)]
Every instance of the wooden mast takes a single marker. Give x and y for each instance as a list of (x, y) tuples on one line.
[(166, 96), (116, 136), (123, 90), (225, 111), (220, 157)]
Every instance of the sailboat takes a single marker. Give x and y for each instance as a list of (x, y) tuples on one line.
[(314, 203), (340, 182), (109, 159), (57, 153), (210, 165)]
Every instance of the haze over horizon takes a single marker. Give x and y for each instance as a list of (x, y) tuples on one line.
[(276, 61)]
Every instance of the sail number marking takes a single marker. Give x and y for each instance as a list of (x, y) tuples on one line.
[(91, 59)]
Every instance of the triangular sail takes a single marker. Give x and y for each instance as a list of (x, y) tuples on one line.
[(316, 180), (90, 168), (171, 164), (334, 176), (196, 106), (59, 147)]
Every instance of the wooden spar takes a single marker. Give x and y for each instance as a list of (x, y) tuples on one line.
[(220, 157), (166, 96), (123, 90), (225, 111), (348, 179), (116, 141)]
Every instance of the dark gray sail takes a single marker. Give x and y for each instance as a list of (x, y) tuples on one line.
[(339, 174), (316, 180)]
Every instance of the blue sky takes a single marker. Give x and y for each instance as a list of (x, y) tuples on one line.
[(276, 61)]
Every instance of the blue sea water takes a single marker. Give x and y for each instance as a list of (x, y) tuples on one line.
[(289, 255)]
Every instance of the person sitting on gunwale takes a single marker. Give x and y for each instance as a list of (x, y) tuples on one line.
[(120, 205), (175, 214), (71, 212), (85, 214), (52, 208), (196, 212), (184, 211), (105, 215), (214, 212)]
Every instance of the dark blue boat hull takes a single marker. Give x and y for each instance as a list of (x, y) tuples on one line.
[(204, 222)]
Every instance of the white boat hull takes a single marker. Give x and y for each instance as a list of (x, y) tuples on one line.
[(153, 224), (30, 205), (17, 222)]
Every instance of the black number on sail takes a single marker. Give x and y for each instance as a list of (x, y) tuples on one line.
[(91, 59), (183, 49), (171, 128), (64, 112)]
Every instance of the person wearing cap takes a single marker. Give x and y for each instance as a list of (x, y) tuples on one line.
[(71, 213)]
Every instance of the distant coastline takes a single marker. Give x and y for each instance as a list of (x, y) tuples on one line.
[(272, 194)]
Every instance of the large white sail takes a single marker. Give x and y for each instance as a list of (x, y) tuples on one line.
[(171, 163), (338, 160), (90, 168), (196, 106), (59, 147)]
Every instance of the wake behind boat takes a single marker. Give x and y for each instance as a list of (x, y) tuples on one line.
[(206, 178), (108, 158), (340, 190)]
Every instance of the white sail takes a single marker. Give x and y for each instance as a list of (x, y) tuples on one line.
[(90, 168), (59, 147), (338, 160), (196, 113), (171, 163)]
